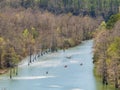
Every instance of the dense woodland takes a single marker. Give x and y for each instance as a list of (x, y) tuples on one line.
[(27, 27), (76, 7), (28, 31), (107, 51)]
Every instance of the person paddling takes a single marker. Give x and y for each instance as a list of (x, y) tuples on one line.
[(65, 66), (81, 64), (46, 72)]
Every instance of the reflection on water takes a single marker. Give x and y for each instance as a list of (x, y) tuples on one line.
[(78, 75), (100, 86)]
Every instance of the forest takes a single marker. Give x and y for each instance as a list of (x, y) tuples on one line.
[(21, 31), (30, 27), (92, 8), (107, 51)]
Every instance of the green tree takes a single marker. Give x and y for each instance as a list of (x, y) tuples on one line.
[(113, 19)]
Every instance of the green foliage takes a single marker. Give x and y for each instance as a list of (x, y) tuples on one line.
[(35, 33), (102, 26), (1, 39), (113, 19), (15, 58), (25, 33), (114, 48)]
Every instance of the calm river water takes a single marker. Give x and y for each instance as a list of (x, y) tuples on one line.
[(69, 70)]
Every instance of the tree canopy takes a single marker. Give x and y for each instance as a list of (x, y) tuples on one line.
[(93, 8)]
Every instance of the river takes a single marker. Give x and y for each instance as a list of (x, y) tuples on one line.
[(69, 70)]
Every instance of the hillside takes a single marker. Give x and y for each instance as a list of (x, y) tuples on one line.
[(93, 8)]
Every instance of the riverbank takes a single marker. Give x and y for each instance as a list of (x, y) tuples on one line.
[(58, 77), (40, 54), (3, 71), (107, 51), (99, 82)]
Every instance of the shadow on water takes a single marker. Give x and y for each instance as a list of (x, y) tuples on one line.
[(100, 86)]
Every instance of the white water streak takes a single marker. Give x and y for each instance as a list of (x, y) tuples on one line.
[(28, 77)]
